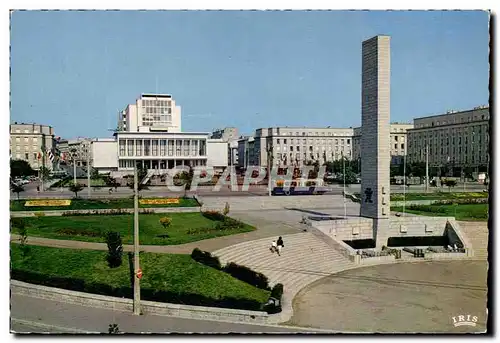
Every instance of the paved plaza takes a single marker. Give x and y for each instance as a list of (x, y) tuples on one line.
[(406, 297)]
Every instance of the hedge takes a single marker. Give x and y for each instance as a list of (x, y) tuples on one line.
[(80, 285), (247, 275), (206, 258)]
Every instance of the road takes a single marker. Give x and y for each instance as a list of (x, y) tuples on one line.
[(36, 315), (208, 191)]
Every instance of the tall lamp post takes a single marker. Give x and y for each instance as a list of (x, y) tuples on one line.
[(138, 272), (343, 167), (88, 169), (73, 156), (404, 183)]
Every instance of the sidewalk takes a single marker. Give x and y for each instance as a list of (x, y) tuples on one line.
[(264, 229)]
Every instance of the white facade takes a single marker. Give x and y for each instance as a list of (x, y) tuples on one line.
[(217, 156), (151, 112), (105, 155)]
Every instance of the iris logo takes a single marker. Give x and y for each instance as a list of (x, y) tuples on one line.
[(464, 320)]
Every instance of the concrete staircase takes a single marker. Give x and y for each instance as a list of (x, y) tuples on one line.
[(477, 234), (304, 259)]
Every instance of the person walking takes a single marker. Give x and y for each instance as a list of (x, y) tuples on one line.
[(273, 247), (281, 245)]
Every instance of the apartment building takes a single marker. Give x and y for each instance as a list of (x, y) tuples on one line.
[(297, 146), (398, 141), (31, 142), (456, 138), (76, 151)]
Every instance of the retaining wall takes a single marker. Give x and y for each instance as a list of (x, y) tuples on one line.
[(148, 307)]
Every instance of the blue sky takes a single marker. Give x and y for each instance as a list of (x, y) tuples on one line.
[(249, 69)]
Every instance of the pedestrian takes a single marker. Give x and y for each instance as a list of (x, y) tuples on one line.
[(110, 190), (273, 247), (280, 244), (38, 189)]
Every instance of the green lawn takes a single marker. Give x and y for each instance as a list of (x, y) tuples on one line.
[(92, 228), (166, 277), (477, 212), (438, 196), (93, 204)]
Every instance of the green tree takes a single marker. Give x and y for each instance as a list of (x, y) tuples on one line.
[(140, 186), (75, 188), (16, 189), (20, 168), (450, 183), (115, 249), (94, 174)]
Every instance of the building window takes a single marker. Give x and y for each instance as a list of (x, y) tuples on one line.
[(130, 147), (277, 141), (178, 144), (402, 145), (34, 156), (122, 147), (163, 143), (155, 147), (348, 141), (26, 156), (284, 141), (395, 146), (186, 147), (396, 138), (170, 144), (138, 147), (291, 148), (147, 147), (297, 148)]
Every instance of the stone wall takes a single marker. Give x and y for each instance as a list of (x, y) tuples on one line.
[(148, 307), (346, 229)]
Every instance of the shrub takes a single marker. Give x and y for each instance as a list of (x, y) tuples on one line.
[(206, 258), (81, 285), (213, 215), (39, 214), (276, 294), (115, 249), (18, 223), (73, 232), (165, 222), (277, 291), (75, 188), (247, 275)]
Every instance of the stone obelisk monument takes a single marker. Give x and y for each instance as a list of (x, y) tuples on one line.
[(375, 135)]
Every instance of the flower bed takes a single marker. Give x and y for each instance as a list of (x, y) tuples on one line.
[(44, 203)]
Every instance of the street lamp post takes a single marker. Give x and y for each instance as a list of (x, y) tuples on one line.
[(137, 284), (427, 168), (343, 167), (88, 170), (404, 183)]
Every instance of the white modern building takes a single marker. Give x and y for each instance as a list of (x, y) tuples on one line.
[(149, 132), (151, 112)]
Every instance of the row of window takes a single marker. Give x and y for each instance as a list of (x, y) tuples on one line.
[(156, 103), (161, 147), (26, 139), (310, 134), (281, 156), (317, 141), (297, 148), (452, 121)]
